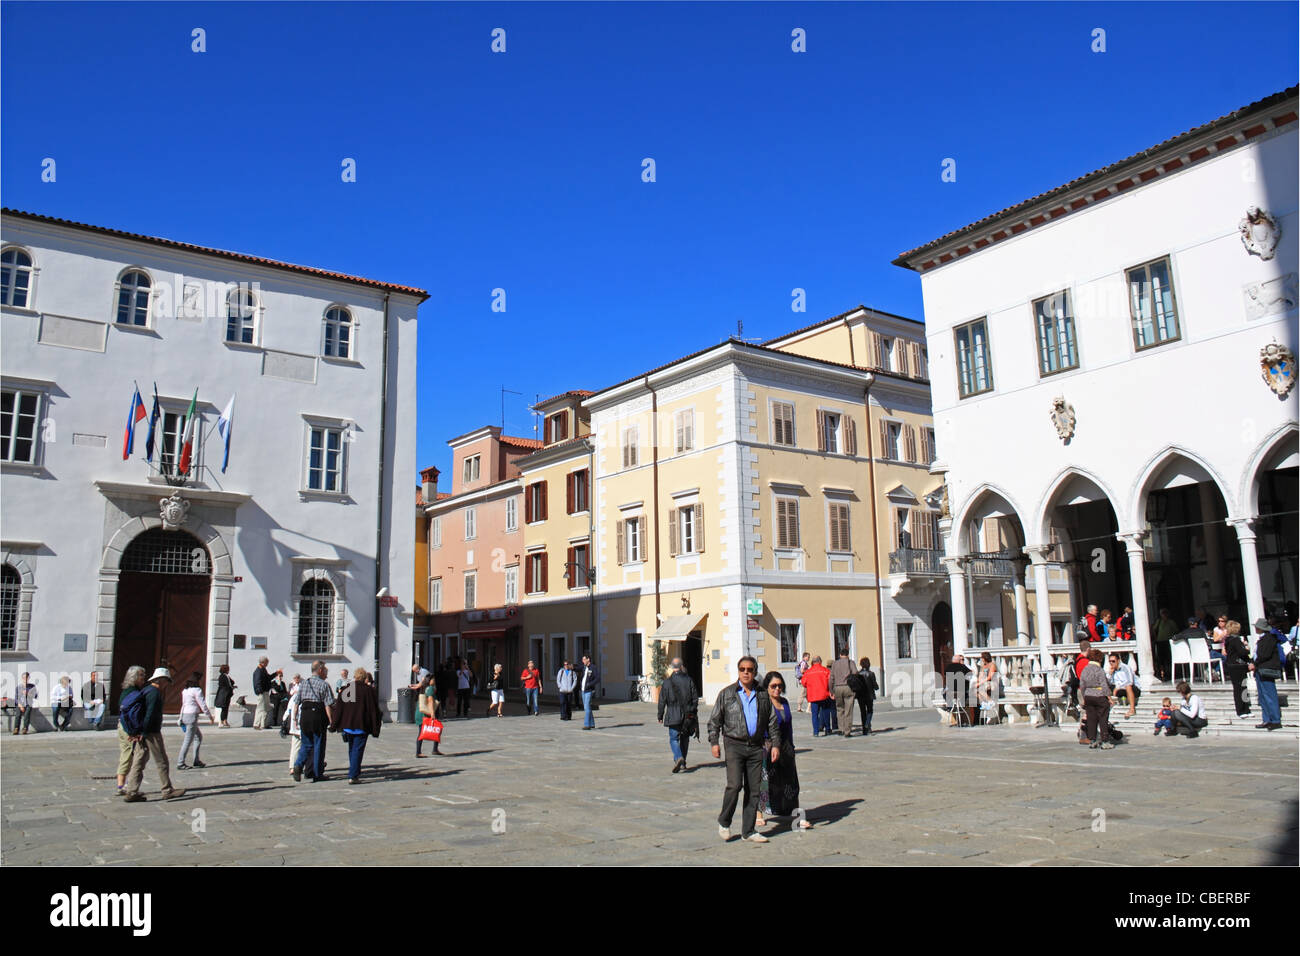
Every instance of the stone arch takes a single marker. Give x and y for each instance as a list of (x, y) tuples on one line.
[(1156, 464), (26, 591), (331, 572), (1266, 456), (1067, 476), (207, 535), (959, 537)]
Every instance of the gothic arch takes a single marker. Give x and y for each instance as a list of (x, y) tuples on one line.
[(1267, 449), (1137, 513), (958, 537), (1043, 515)]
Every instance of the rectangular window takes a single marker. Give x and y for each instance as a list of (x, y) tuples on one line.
[(1151, 301), (579, 563), (981, 633), (830, 432), (19, 413), (436, 533), (512, 514), (631, 446), (843, 638), (470, 469), (974, 369), (684, 430), (435, 595), (927, 446), (535, 502), (783, 424), (1055, 326), (893, 432), (632, 540), (923, 363), (686, 530), (904, 641), (324, 456), (577, 497), (787, 522), (471, 524), (1060, 628), (886, 354), (471, 581), (556, 428), (535, 573), (634, 655), (512, 584), (789, 642), (839, 527)]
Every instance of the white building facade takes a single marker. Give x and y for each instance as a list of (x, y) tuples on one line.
[(110, 562), (1112, 367)]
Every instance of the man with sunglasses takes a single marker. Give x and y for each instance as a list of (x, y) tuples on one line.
[(743, 714)]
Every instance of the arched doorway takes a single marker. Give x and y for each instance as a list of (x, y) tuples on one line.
[(1080, 520), (941, 629), (162, 609)]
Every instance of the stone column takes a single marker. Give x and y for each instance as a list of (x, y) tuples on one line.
[(1141, 613), (957, 598), (1249, 571), (1042, 603), (1022, 604)]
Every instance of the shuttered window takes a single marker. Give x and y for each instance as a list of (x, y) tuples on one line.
[(535, 502), (787, 522), (850, 437), (684, 422), (686, 530), (909, 443), (631, 447), (782, 424), (839, 527)]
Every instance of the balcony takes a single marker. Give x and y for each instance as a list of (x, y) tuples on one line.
[(911, 561), (926, 568)]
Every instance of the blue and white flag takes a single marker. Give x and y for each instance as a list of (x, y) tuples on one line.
[(225, 425)]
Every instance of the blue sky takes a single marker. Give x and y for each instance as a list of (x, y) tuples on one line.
[(775, 170)]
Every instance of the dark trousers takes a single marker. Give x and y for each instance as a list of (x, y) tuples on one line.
[(462, 703), (744, 769), (566, 705), (1192, 726), (865, 710), (1096, 710), (419, 744), (1123, 693), (225, 713), (356, 751), (1163, 659), (62, 717), (311, 755), (1238, 677)]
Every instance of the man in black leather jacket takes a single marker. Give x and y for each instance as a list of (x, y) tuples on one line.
[(678, 701), (744, 715)]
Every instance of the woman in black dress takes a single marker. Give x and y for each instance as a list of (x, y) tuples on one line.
[(1237, 664), (225, 691), (782, 789)]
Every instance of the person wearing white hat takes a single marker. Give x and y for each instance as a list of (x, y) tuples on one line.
[(147, 742)]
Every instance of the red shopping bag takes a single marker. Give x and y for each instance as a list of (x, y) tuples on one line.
[(431, 729)]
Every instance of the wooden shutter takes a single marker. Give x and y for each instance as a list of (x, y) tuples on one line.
[(894, 529), (672, 532), (528, 505), (914, 350), (640, 537), (569, 480), (627, 434), (884, 439), (544, 562), (850, 436), (542, 502), (689, 426), (904, 351), (699, 528), (873, 349), (619, 548), (877, 349), (821, 430), (548, 427), (909, 442), (572, 568), (528, 574)]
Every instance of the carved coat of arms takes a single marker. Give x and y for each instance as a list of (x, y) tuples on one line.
[(1277, 367), (173, 511), (1063, 418), (1260, 233)]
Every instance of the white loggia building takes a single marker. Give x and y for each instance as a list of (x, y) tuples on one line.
[(1112, 371), (109, 562)]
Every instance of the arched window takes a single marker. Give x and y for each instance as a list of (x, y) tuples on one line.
[(241, 316), (316, 618), (10, 589), (15, 277), (338, 333), (133, 298)]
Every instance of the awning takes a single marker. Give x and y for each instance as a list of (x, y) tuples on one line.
[(487, 633), (677, 628)]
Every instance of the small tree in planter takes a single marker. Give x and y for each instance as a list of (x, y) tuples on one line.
[(658, 667)]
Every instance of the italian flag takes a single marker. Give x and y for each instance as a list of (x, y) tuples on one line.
[(187, 443)]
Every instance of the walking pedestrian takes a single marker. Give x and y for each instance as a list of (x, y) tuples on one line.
[(566, 679), (192, 705), (132, 683), (343, 679), (779, 761), (1267, 668), (315, 714), (357, 718), (679, 702), (144, 725), (588, 682), (1236, 661), (25, 697), (94, 700), (291, 720), (865, 692), (817, 682), (496, 687), (427, 704), (1096, 689), (744, 715), (443, 679), (799, 670), (532, 681), (464, 687), (840, 672), (61, 703), (225, 693), (262, 688)]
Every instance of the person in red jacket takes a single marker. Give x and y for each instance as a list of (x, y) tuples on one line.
[(817, 682), (532, 681), (1090, 621)]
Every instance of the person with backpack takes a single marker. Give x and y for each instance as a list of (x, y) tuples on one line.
[(131, 684), (864, 689), (142, 712), (1267, 668), (315, 713), (679, 701)]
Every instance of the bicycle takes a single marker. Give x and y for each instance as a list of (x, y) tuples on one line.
[(641, 690)]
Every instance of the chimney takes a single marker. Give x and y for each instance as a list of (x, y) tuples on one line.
[(430, 478)]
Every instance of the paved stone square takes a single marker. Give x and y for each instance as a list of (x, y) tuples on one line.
[(540, 791)]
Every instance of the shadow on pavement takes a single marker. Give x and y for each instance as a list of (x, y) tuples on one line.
[(376, 774), (616, 726), (832, 812), (246, 763), (1285, 851), (464, 753), (227, 789)]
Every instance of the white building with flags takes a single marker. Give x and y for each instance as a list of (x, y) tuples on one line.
[(205, 544), (1113, 369)]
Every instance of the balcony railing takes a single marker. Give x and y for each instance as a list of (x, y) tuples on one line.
[(995, 564)]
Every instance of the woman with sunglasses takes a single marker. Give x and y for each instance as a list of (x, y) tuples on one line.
[(779, 795)]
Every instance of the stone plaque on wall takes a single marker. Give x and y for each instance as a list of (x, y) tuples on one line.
[(75, 642)]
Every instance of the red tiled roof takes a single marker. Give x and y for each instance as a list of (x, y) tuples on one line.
[(207, 250), (574, 393), (521, 442), (1097, 174)]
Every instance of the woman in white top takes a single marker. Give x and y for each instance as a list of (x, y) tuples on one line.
[(192, 705), (291, 719), (464, 688), (61, 699), (1190, 717)]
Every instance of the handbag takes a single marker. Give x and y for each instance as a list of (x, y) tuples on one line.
[(690, 726), (1268, 673), (431, 729)]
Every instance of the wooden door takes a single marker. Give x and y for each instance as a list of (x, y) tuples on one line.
[(183, 635)]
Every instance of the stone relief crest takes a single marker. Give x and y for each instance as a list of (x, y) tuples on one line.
[(1271, 297), (1277, 367), (1063, 418), (1259, 233), (173, 511)]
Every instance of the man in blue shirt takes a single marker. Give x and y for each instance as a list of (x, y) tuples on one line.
[(744, 715)]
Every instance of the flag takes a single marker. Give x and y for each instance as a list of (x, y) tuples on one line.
[(153, 425), (134, 415), (224, 425), (187, 446)]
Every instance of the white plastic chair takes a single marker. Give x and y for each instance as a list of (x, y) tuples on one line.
[(1180, 653), (1201, 658)]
